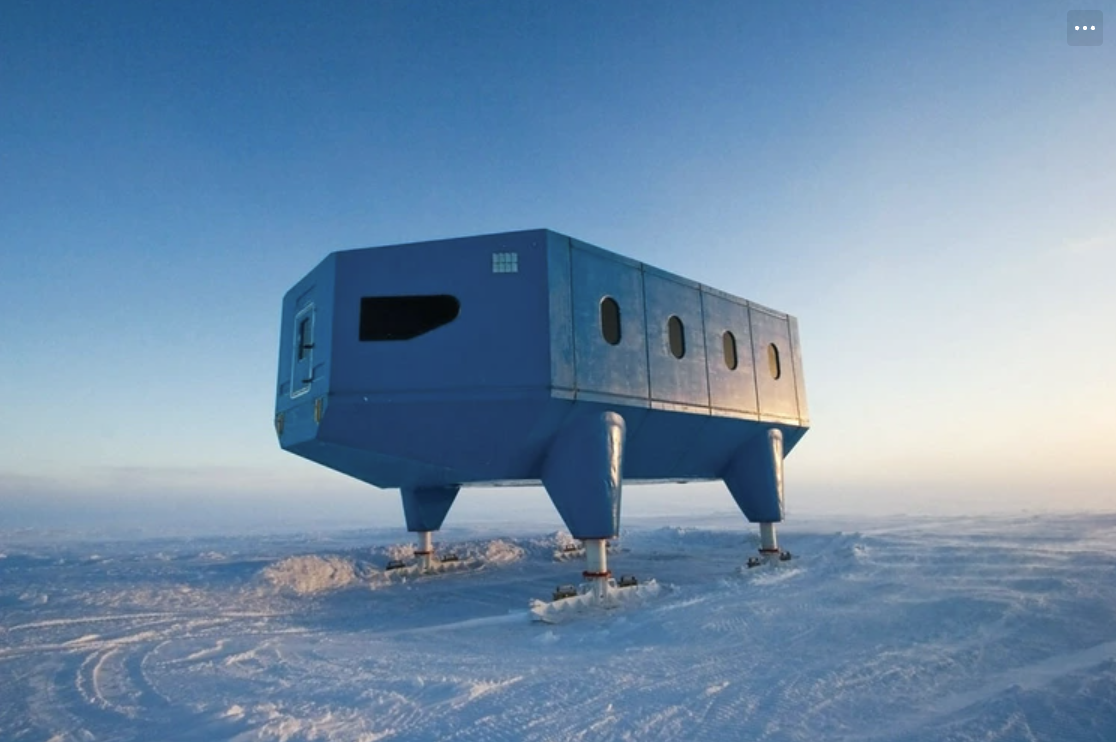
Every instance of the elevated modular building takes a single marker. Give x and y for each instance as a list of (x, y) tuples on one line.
[(533, 357)]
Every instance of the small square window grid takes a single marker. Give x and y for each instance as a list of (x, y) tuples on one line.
[(505, 262)]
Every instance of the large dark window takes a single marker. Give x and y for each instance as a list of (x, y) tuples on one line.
[(729, 341), (405, 317), (773, 361), (610, 320), (676, 336)]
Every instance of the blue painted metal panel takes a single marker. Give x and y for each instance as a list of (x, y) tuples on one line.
[(777, 398), (799, 379), (610, 371), (731, 390), (714, 445), (681, 381), (477, 439), (499, 338), (563, 377), (372, 467), (660, 442)]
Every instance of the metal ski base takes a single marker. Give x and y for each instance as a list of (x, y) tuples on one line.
[(768, 557), (573, 549), (397, 569), (591, 597)]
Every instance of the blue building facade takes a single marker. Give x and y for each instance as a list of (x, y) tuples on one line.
[(531, 357)]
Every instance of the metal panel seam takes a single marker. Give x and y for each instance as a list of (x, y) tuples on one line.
[(755, 362), (704, 340), (646, 330), (573, 327), (794, 369)]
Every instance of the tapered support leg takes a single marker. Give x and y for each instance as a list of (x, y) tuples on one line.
[(425, 510), (582, 475), (755, 479)]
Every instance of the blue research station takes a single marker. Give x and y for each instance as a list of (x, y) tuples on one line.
[(532, 357)]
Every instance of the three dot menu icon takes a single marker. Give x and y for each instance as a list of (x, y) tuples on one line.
[(1085, 28)]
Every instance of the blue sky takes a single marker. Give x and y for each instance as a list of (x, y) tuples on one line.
[(928, 186)]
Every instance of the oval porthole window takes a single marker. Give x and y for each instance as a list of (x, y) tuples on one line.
[(676, 337), (773, 361), (729, 341), (610, 320)]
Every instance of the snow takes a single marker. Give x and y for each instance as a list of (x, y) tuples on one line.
[(310, 574), (991, 629)]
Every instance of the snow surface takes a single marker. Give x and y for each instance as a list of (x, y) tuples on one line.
[(993, 629)]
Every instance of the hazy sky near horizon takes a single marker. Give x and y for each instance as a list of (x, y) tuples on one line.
[(928, 187)]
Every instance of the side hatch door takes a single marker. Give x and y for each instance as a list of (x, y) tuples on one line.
[(302, 351)]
